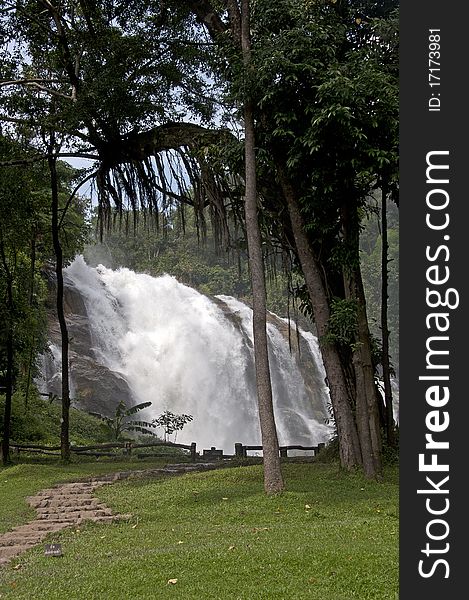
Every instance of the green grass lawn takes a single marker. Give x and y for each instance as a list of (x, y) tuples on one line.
[(331, 536)]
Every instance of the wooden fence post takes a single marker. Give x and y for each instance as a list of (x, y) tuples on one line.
[(128, 448), (321, 446), (239, 450), (284, 452), (193, 451)]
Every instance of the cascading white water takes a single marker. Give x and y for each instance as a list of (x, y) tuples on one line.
[(50, 368), (179, 350), (294, 404)]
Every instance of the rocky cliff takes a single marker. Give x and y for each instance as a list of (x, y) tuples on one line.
[(94, 388)]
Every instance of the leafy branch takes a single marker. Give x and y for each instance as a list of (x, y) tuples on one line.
[(171, 423)]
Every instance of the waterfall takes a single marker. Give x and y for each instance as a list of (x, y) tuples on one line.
[(187, 353)]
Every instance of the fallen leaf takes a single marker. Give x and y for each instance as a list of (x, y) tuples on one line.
[(180, 542), (307, 506), (224, 498), (231, 547), (172, 581), (16, 567)]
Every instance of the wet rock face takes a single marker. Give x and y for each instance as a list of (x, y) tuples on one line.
[(94, 387)]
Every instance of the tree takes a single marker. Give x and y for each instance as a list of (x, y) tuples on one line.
[(120, 422), (273, 480), (26, 242), (171, 423), (65, 423), (20, 309)]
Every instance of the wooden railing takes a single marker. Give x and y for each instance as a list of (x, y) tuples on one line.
[(241, 450), (97, 450)]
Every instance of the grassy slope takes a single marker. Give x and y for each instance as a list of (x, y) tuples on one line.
[(221, 537), (23, 480)]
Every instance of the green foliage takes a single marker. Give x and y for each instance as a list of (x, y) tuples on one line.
[(342, 326), (26, 245), (121, 423), (171, 423), (135, 64), (21, 289), (38, 422)]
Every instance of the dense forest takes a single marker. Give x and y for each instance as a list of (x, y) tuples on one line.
[(248, 148)]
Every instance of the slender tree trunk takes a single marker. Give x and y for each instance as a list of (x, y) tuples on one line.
[(65, 421), (368, 422), (31, 300), (8, 400), (349, 445), (10, 357), (273, 480), (390, 431)]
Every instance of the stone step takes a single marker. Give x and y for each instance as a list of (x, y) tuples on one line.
[(62, 500), (26, 538), (60, 508), (71, 515), (46, 526), (65, 491)]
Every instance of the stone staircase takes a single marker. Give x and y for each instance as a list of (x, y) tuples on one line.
[(71, 504)]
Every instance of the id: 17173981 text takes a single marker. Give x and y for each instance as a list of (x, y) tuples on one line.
[(434, 67)]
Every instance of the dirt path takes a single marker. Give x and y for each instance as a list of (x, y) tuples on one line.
[(71, 504)]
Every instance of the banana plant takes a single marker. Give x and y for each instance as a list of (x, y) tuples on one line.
[(120, 422)]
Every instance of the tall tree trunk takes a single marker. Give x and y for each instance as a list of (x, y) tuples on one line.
[(273, 480), (8, 400), (385, 361), (367, 411), (31, 300), (65, 421), (10, 356), (349, 445)]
